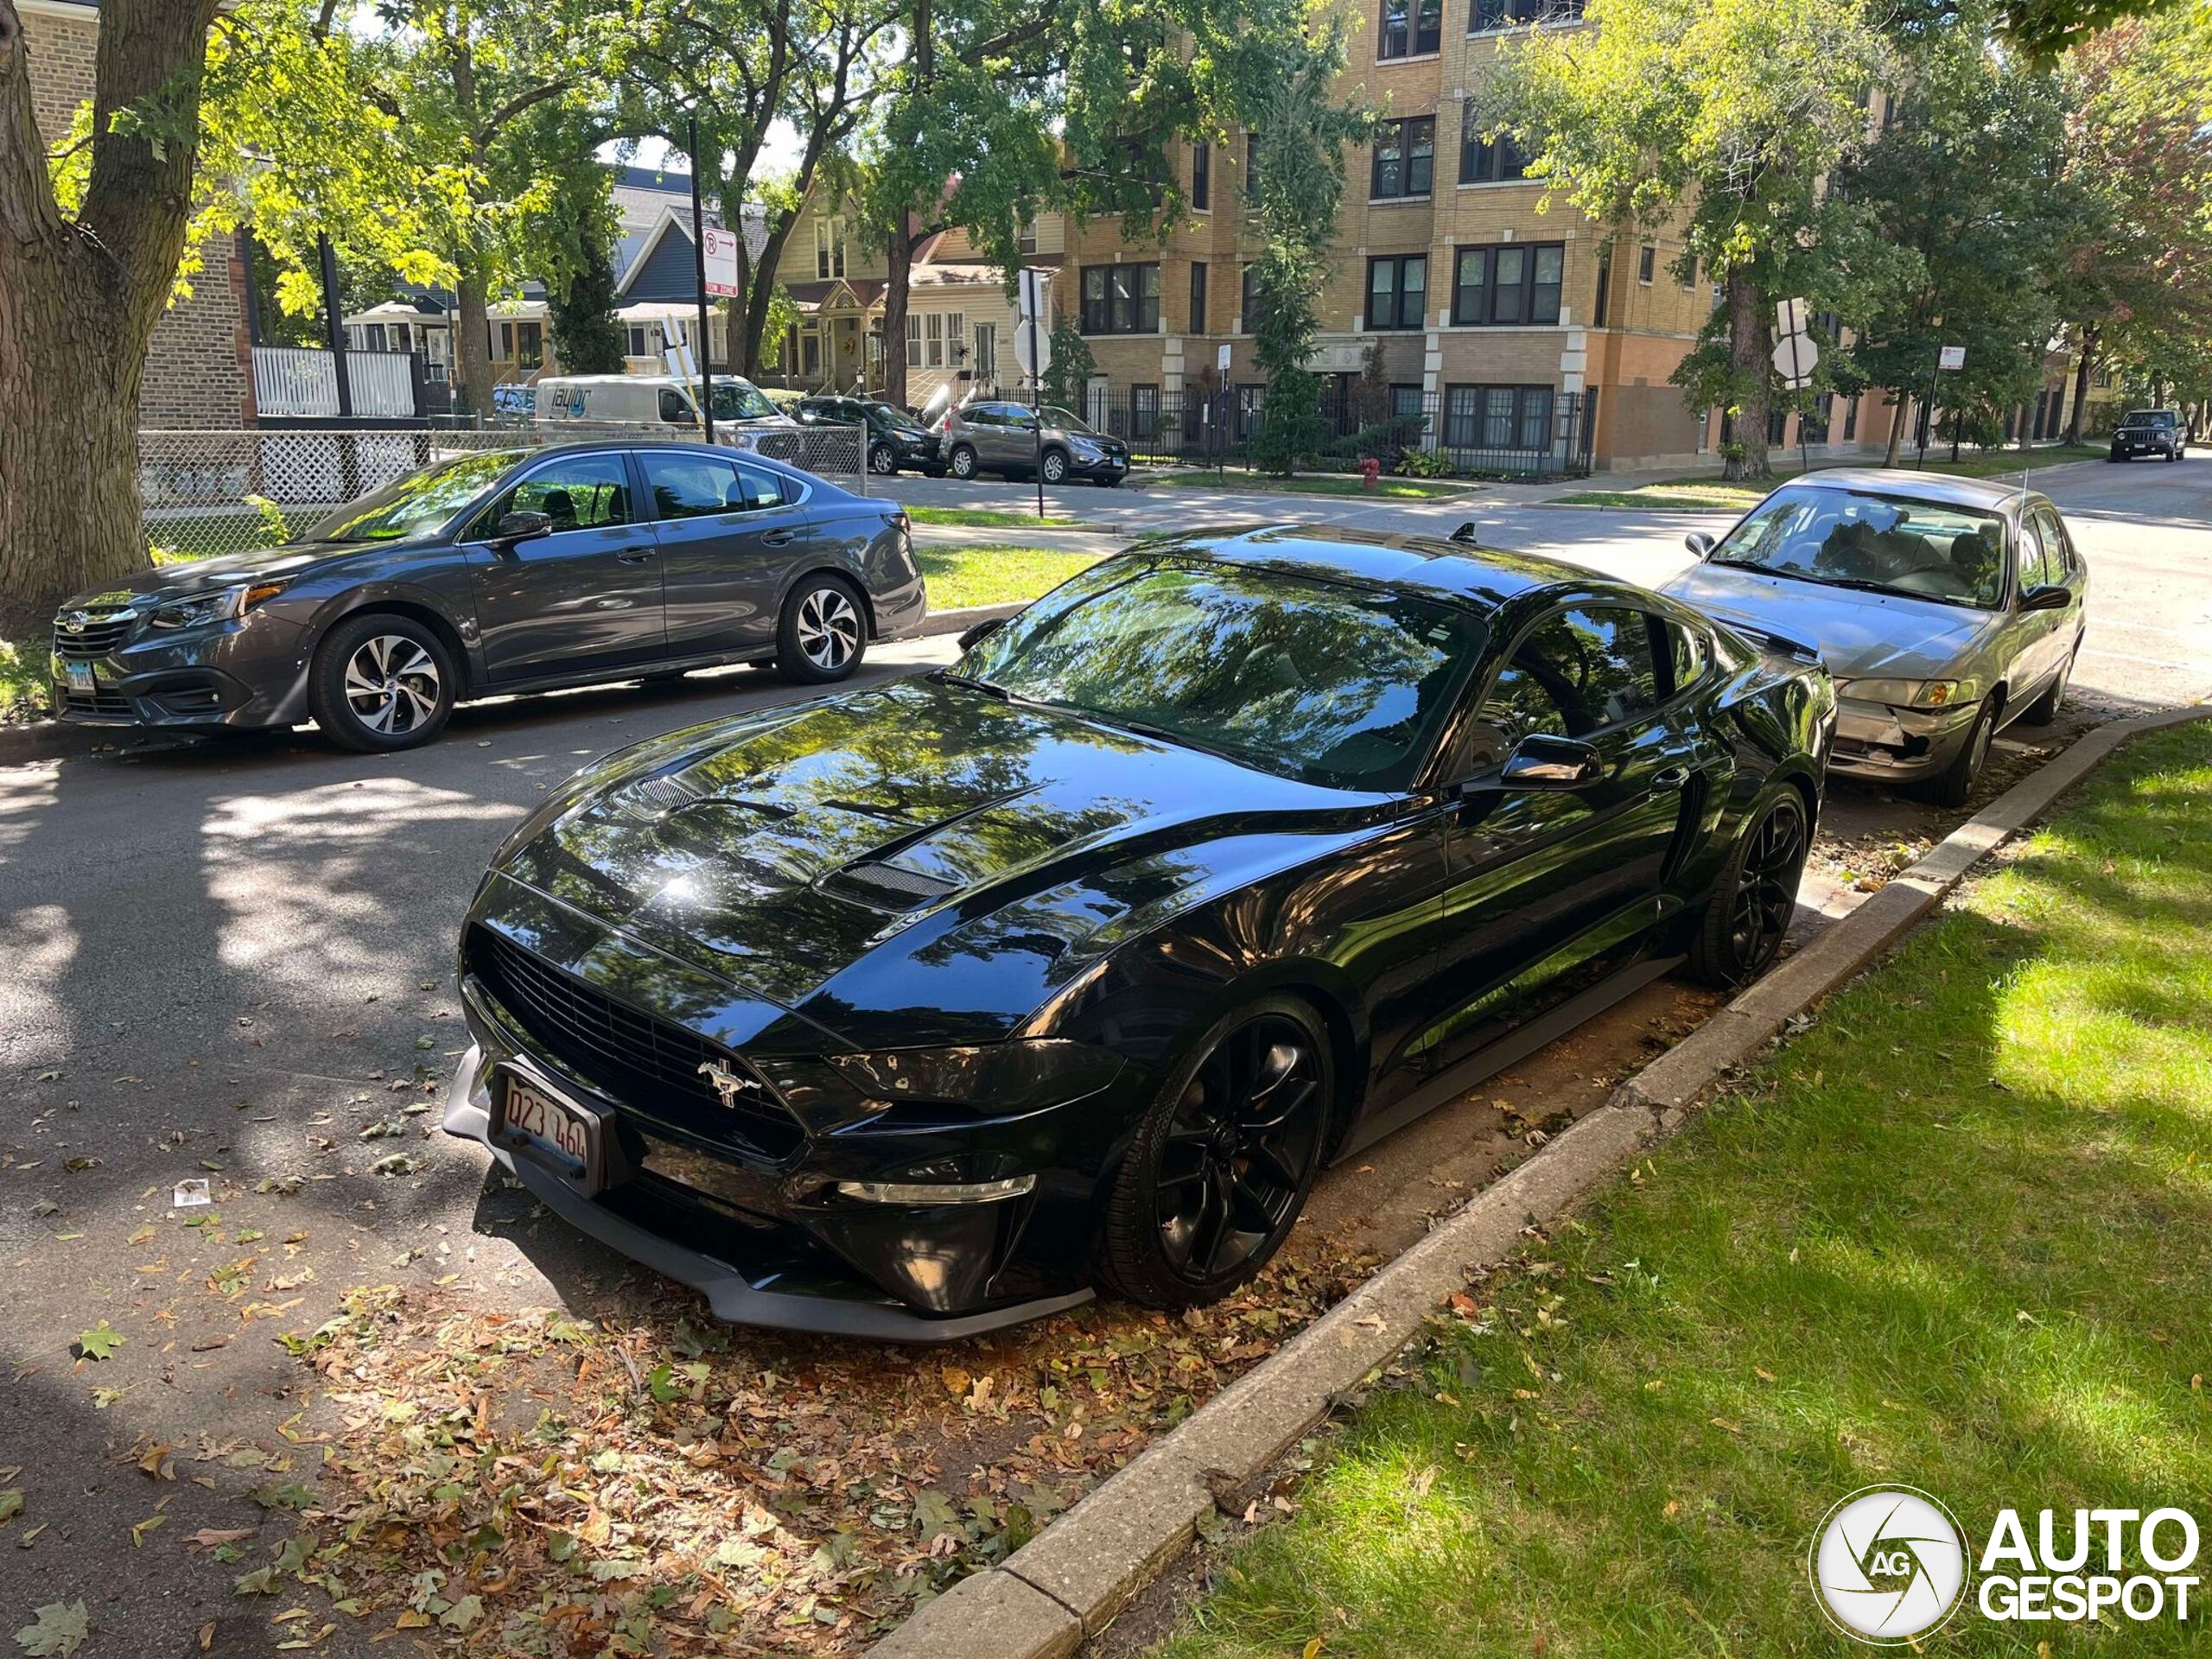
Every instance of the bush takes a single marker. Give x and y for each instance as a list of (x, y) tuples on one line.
[(1424, 463), (784, 397)]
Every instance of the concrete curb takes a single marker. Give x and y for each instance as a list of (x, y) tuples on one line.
[(1067, 1584), (51, 740)]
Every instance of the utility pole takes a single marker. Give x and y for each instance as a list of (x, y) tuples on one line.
[(699, 267), (334, 326)]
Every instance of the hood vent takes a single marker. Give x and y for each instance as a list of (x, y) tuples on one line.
[(887, 887), (651, 799)]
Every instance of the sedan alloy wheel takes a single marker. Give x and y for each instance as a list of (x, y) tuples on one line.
[(391, 685), (822, 633)]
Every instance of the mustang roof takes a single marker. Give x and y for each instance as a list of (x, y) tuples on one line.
[(1489, 576)]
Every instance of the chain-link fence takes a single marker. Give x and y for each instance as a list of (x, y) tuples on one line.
[(209, 493)]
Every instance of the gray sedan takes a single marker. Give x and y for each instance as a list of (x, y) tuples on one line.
[(494, 573), (1945, 609)]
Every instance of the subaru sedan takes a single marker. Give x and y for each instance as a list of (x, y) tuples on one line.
[(1945, 608), (489, 574)]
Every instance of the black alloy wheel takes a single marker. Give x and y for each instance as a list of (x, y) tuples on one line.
[(1223, 1161), (1747, 916)]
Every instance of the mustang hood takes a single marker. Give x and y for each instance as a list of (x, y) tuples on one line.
[(915, 846), (1859, 634)]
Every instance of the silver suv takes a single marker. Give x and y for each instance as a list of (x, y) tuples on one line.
[(995, 436)]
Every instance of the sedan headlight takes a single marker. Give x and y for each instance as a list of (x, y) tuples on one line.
[(221, 606), (1909, 693)]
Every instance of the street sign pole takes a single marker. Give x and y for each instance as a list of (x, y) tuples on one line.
[(1804, 456), (699, 262), (1036, 406), (1034, 352)]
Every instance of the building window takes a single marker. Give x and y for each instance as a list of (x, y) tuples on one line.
[(1689, 276), (1603, 296), (1486, 15), (1509, 284), (1251, 164), (956, 338), (1405, 158), (986, 351), (1487, 160), (828, 248), (1248, 300), (1411, 28), (934, 341), (1397, 291), (640, 343), (1647, 263), (1202, 177), (914, 339), (1027, 241), (1198, 322), (1498, 417), (1121, 299)]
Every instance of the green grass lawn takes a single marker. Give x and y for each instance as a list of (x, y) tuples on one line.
[(1308, 484), (1957, 1234), (1711, 495), (986, 518), (986, 574)]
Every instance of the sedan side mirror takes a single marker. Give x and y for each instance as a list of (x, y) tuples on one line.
[(1698, 543), (2047, 596), (515, 527), (983, 631), (1538, 761)]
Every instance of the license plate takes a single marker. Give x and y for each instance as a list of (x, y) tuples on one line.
[(534, 1117), (80, 677)]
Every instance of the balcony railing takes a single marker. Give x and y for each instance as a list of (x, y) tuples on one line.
[(292, 383)]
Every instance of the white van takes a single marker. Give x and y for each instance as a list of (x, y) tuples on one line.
[(659, 400)]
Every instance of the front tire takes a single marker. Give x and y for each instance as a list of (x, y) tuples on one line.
[(1747, 913), (381, 683), (964, 463), (1056, 467), (1955, 782), (823, 633), (1223, 1161), (882, 461)]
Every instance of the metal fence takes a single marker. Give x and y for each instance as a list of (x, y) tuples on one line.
[(1509, 431), (209, 493)]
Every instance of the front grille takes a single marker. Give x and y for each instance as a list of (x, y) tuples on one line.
[(99, 634), (630, 1056), (106, 699)]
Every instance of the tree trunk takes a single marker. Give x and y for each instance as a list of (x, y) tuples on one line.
[(2082, 381), (1903, 413), (472, 318), (1748, 350), (898, 285), (78, 300)]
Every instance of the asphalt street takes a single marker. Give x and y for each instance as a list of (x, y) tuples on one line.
[(233, 963)]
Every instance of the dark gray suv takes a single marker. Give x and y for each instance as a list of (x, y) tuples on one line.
[(494, 573), (2150, 432), (995, 435)]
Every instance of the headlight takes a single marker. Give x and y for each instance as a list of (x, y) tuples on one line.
[(996, 1080), (1909, 693), (218, 607)]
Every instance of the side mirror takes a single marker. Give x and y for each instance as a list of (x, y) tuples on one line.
[(1698, 543), (983, 631), (1542, 762), (515, 527), (2047, 596)]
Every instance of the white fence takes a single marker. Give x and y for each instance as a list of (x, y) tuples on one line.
[(290, 382), (208, 493)]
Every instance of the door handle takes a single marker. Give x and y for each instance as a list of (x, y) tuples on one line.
[(1667, 780), (778, 538), (635, 555)]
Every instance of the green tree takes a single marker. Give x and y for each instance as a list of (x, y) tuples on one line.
[(1725, 115), (1071, 366), (571, 239)]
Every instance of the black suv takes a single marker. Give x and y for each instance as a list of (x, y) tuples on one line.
[(2150, 432), (895, 438)]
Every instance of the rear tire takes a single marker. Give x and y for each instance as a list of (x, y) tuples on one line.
[(964, 463), (1747, 914), (382, 682), (1224, 1160), (823, 633)]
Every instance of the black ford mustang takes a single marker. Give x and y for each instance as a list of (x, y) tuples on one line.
[(918, 1010)]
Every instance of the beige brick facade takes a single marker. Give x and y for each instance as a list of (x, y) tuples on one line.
[(198, 370)]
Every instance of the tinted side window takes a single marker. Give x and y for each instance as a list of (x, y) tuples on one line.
[(758, 488), (1578, 672), (585, 492), (693, 487), (673, 408)]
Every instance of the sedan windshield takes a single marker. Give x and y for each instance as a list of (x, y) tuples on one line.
[(418, 504), (740, 400), (1338, 685), (1890, 544)]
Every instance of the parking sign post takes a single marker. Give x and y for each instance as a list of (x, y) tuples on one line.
[(699, 262)]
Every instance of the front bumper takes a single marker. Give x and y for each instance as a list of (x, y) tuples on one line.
[(1110, 468), (1897, 744), (766, 1238), (248, 675), (2126, 448)]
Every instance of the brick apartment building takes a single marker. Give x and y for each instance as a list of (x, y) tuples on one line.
[(199, 372)]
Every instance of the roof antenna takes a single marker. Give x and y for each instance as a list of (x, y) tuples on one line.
[(1465, 534)]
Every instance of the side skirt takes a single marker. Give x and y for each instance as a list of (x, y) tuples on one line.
[(477, 693), (1516, 1045)]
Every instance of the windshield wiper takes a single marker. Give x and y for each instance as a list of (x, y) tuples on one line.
[(968, 682)]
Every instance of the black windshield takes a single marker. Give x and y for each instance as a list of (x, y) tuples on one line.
[(1339, 685)]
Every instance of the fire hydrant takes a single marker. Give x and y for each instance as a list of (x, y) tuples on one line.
[(1371, 473)]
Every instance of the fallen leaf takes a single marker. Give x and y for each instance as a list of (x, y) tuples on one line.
[(100, 1342), (60, 1630)]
